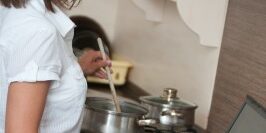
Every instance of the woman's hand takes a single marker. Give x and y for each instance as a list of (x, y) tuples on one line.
[(92, 64)]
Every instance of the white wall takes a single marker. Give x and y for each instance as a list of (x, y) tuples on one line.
[(103, 11), (166, 54)]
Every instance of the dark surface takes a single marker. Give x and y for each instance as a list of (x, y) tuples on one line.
[(242, 64), (129, 90), (157, 131)]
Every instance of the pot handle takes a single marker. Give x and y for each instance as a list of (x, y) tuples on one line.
[(172, 113), (146, 122)]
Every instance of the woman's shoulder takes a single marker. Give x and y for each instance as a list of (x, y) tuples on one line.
[(31, 31), (20, 25), (23, 20)]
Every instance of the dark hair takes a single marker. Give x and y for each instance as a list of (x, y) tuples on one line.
[(48, 3)]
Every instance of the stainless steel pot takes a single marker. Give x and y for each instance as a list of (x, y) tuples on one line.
[(169, 110), (100, 117)]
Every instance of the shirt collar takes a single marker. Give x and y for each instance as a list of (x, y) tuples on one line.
[(59, 19)]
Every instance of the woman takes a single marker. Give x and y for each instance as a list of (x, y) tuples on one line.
[(42, 87)]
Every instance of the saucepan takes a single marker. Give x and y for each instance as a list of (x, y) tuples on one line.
[(101, 117)]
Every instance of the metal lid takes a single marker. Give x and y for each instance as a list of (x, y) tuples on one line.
[(168, 99), (107, 106)]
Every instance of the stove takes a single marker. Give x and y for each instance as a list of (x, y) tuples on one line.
[(153, 130), (150, 129)]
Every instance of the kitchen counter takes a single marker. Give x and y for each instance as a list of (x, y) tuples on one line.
[(128, 92)]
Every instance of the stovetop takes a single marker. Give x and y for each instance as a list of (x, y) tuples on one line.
[(158, 128), (149, 129), (154, 130)]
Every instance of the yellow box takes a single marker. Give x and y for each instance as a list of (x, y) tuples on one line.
[(119, 75)]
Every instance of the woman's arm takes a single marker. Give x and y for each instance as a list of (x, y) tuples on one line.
[(25, 105)]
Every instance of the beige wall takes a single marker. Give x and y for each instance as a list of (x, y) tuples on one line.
[(103, 11), (166, 54)]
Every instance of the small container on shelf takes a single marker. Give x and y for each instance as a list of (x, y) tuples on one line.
[(119, 75)]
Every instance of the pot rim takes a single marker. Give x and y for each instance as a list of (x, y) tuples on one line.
[(114, 112), (144, 100)]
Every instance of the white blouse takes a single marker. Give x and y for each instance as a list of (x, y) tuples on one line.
[(36, 45)]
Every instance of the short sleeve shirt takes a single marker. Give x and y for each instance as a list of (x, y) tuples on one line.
[(36, 45)]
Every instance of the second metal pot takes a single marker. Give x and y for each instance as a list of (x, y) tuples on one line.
[(170, 110)]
